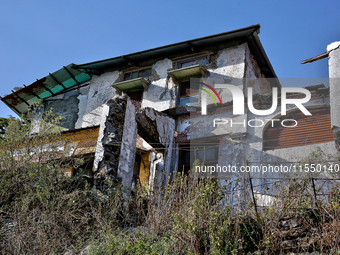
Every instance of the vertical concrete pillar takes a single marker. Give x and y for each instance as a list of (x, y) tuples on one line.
[(333, 51), (128, 146)]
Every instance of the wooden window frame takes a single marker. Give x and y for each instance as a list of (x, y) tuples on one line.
[(177, 63), (136, 70)]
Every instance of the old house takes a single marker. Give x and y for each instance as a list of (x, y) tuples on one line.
[(137, 116)]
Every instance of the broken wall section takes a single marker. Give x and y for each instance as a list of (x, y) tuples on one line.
[(68, 105), (158, 129), (116, 147), (100, 91)]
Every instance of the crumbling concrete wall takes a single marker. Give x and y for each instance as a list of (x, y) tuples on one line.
[(83, 107), (254, 78), (228, 68), (159, 129), (99, 93), (116, 146), (66, 105), (161, 93)]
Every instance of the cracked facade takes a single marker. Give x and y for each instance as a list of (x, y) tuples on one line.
[(140, 107)]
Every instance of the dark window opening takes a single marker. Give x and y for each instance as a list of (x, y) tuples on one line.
[(191, 61), (204, 153), (136, 169), (188, 93)]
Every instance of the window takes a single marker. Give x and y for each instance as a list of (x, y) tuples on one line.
[(133, 81), (184, 69), (206, 152), (207, 156), (192, 61), (189, 95), (137, 74)]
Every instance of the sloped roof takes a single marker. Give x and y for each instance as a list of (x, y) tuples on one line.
[(73, 75), (215, 42), (52, 84)]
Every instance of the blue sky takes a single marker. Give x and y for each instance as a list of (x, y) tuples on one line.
[(38, 37)]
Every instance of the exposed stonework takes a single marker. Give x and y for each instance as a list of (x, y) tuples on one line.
[(111, 140)]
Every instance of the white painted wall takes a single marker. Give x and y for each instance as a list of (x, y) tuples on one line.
[(100, 91), (160, 94)]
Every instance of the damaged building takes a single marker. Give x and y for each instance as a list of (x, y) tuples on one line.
[(134, 115)]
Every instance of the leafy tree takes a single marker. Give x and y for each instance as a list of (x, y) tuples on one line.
[(3, 125)]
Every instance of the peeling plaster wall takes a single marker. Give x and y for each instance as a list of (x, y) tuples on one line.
[(159, 129), (227, 67), (99, 155), (254, 78), (70, 105), (161, 93), (100, 92), (231, 152), (88, 100), (82, 108), (67, 108), (230, 69)]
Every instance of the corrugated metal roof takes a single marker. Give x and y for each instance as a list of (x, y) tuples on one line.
[(52, 84), (310, 130)]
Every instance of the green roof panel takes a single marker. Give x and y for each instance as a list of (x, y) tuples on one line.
[(52, 84)]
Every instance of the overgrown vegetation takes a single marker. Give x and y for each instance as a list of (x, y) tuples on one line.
[(41, 210), (44, 212)]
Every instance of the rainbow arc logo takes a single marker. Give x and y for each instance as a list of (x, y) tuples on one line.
[(210, 94)]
